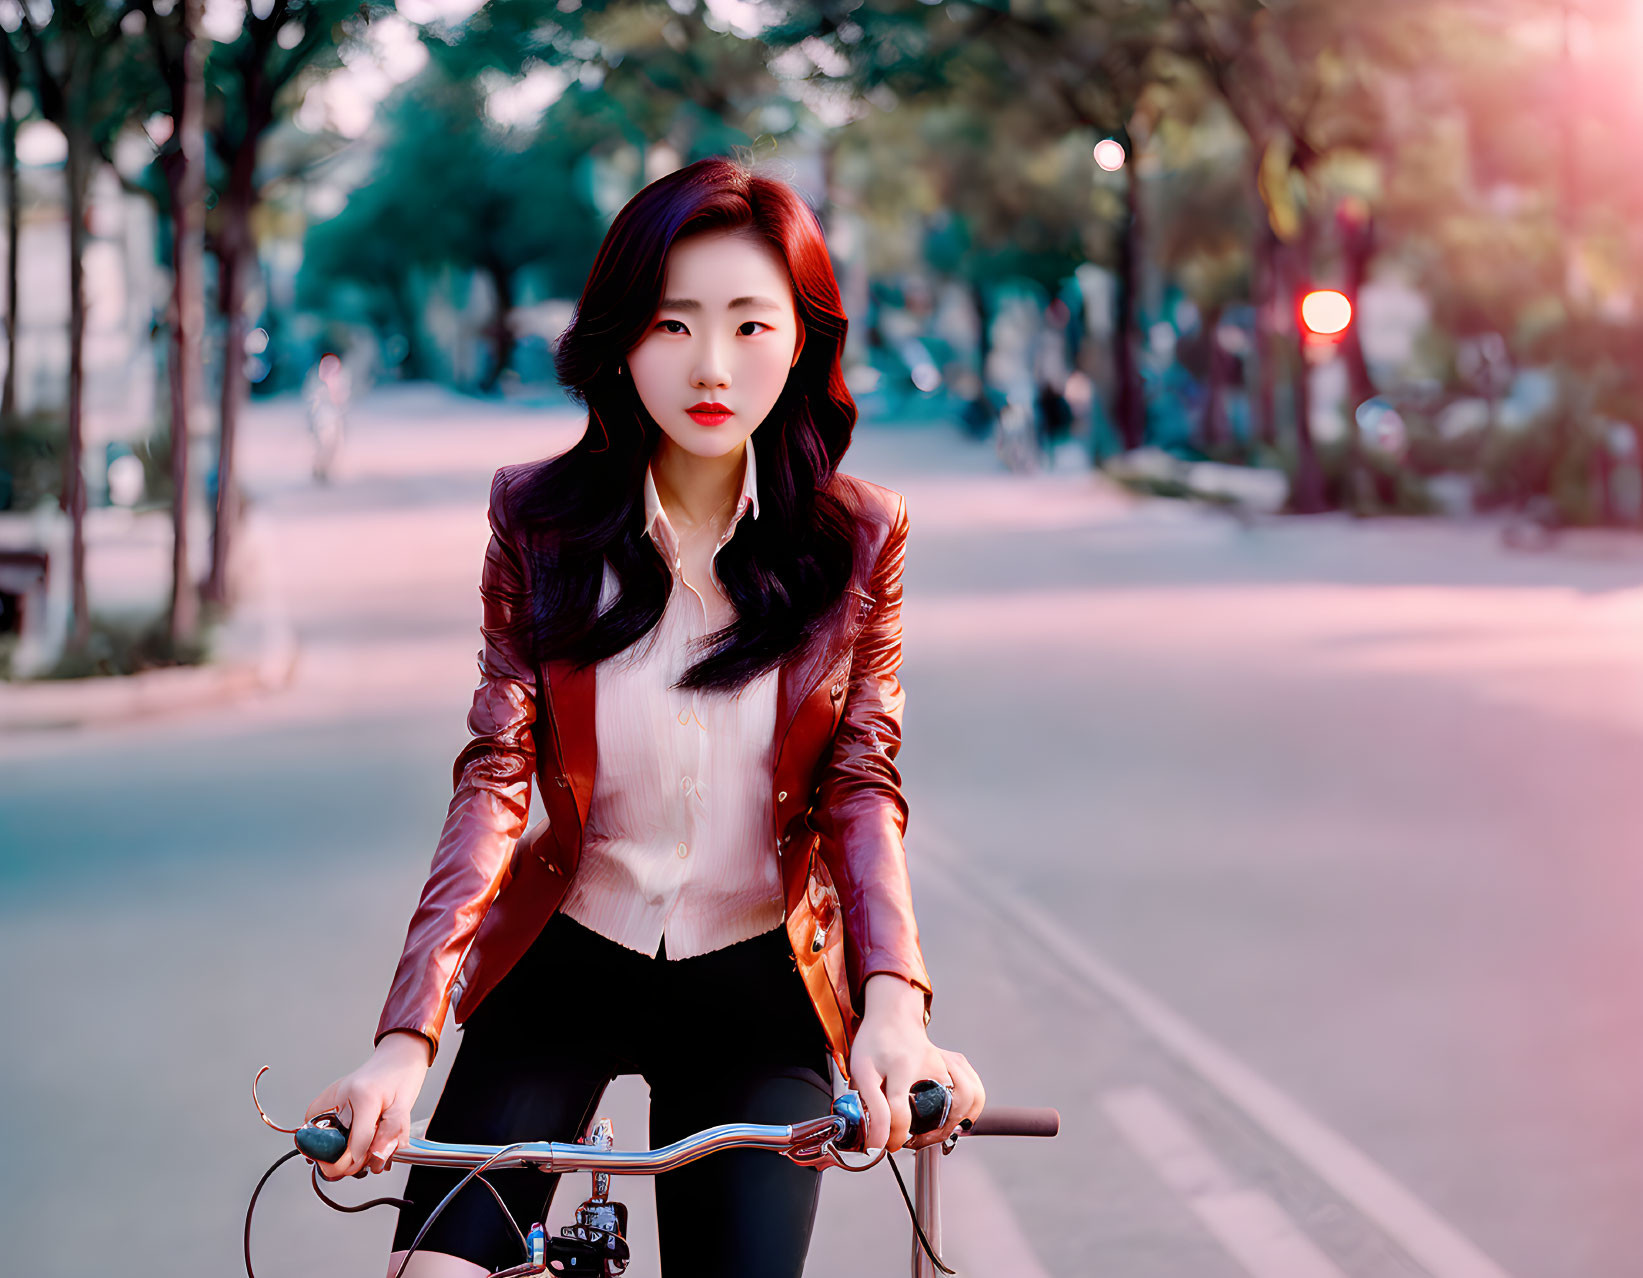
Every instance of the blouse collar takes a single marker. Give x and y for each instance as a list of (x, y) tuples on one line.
[(660, 528)]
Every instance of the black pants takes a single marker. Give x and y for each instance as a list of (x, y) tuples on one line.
[(728, 1036)]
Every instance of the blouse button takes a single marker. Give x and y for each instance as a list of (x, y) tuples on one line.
[(780, 795), (683, 851)]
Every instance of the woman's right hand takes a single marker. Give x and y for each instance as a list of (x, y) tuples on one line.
[(374, 1103)]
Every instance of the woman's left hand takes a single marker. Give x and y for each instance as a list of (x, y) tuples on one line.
[(891, 1052)]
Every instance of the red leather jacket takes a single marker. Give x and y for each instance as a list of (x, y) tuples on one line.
[(839, 811)]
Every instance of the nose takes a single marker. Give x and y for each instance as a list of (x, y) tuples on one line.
[(710, 370)]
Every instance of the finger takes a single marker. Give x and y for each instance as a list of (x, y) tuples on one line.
[(897, 1086), (342, 1110), (389, 1133), (966, 1094), (362, 1131), (870, 1086), (938, 1134), (324, 1101), (975, 1094)]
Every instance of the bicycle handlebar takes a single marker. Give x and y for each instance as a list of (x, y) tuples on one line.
[(324, 1139), (1016, 1120)]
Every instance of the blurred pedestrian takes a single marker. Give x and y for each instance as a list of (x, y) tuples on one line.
[(326, 393)]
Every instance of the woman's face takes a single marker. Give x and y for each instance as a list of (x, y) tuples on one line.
[(724, 334)]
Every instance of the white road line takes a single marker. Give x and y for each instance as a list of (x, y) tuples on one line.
[(1430, 1240), (1248, 1223)]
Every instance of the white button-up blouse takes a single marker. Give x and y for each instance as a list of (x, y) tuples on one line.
[(677, 842)]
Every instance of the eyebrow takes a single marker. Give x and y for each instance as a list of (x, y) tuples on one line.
[(691, 304)]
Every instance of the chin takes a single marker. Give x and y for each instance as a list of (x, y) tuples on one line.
[(709, 441)]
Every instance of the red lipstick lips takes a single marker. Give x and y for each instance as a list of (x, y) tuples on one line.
[(708, 412)]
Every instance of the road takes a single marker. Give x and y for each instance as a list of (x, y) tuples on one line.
[(1295, 863)]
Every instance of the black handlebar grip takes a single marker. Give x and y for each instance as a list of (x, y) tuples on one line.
[(930, 1101), (324, 1139), (1016, 1120)]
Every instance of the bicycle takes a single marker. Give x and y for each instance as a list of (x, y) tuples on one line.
[(597, 1244)]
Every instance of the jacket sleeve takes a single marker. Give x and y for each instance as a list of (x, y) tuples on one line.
[(490, 804), (860, 811)]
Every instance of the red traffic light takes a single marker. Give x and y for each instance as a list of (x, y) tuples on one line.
[(1325, 313)]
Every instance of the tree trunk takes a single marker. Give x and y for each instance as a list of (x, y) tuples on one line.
[(233, 254), (75, 167), (1357, 233), (1264, 290), (502, 340), (186, 174), (14, 206), (1129, 405), (984, 328), (1308, 496), (414, 367), (1212, 426), (1357, 248)]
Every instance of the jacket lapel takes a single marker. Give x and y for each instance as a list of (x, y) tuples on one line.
[(800, 674), (571, 700), (571, 707)]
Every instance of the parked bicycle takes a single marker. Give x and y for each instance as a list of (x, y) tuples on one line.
[(597, 1242)]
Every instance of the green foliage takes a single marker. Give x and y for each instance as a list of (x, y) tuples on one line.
[(125, 645), (31, 460), (32, 449), (1552, 457), (451, 189), (1166, 486), (1385, 486)]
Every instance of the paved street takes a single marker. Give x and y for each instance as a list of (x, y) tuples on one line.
[(1296, 864)]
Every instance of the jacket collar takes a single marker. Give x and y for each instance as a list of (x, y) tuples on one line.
[(570, 692)]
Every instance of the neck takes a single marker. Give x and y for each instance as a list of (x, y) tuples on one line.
[(694, 488)]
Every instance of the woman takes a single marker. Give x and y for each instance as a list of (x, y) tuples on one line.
[(691, 639)]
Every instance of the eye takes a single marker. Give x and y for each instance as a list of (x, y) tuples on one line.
[(739, 327)]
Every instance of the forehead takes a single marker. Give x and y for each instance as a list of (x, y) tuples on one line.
[(717, 268)]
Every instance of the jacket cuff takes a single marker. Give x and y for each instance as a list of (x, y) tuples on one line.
[(877, 961), (431, 1034)]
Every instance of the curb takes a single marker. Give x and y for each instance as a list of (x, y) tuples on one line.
[(255, 650), (81, 703)]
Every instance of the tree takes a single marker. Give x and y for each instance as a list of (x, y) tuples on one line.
[(82, 86), (180, 50), (11, 79), (253, 81), (632, 76), (1203, 243), (1081, 71)]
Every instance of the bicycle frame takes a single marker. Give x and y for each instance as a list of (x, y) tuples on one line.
[(927, 1203)]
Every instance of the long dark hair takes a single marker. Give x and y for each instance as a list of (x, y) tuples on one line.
[(785, 571)]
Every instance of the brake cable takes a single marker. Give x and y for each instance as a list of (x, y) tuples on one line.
[(475, 1173), (913, 1216)]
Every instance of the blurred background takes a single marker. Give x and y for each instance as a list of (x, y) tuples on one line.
[(1266, 383)]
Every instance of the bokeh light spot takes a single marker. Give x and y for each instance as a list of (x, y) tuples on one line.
[(1325, 311)]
